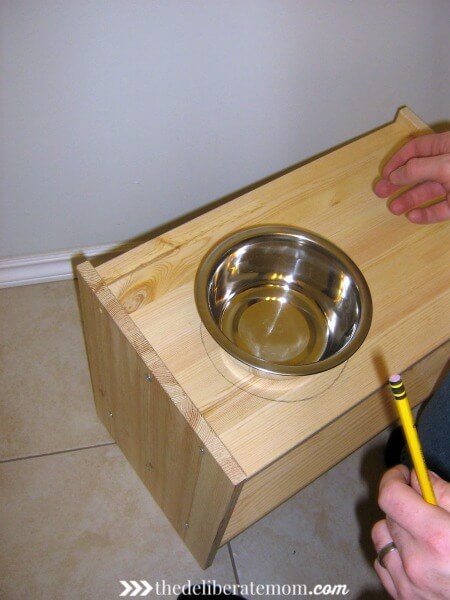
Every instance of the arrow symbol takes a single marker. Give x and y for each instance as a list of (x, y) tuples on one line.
[(127, 589), (148, 587), (136, 588)]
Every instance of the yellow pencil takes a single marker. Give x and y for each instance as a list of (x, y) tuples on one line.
[(412, 438)]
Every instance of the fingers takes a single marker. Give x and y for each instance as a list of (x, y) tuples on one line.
[(419, 563), (436, 168), (441, 489), (410, 202), (393, 568), (399, 501), (416, 196), (396, 498), (423, 163), (384, 188), (427, 145), (431, 214), (399, 473), (385, 579)]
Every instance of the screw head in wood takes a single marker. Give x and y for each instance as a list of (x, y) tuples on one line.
[(110, 414), (149, 377)]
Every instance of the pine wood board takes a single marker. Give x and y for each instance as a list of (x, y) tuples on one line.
[(406, 267), (313, 179), (296, 469), (185, 466)]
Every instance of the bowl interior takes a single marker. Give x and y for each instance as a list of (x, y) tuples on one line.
[(283, 301)]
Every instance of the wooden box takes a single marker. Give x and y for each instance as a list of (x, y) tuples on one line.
[(219, 448)]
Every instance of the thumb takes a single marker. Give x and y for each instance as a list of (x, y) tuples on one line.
[(441, 488)]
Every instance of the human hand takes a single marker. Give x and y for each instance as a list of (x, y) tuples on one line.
[(419, 568), (424, 163)]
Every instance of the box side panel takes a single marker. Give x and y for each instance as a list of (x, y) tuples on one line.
[(164, 447), (285, 477)]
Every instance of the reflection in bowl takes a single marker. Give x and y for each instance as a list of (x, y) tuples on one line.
[(283, 301)]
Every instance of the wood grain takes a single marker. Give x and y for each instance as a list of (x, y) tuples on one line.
[(406, 267), (180, 459), (323, 450), (262, 442)]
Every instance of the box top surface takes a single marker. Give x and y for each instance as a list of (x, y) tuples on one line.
[(405, 265)]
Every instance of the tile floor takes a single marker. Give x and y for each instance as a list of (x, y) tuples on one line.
[(75, 519)]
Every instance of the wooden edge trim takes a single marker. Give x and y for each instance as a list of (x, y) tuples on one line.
[(409, 118), (158, 369)]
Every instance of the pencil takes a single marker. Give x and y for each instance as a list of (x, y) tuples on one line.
[(412, 438)]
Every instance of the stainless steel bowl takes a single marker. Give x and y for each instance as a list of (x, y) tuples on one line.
[(283, 301)]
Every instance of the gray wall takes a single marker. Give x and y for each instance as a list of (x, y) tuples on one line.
[(120, 115)]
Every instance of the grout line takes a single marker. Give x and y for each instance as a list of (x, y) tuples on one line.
[(233, 564), (9, 460)]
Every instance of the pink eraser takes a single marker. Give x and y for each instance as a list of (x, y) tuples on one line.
[(395, 378)]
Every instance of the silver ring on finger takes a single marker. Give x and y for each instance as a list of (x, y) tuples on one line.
[(385, 550)]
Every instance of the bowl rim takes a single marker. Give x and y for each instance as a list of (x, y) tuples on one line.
[(225, 246)]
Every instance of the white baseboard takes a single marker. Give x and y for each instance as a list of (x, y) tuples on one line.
[(54, 266)]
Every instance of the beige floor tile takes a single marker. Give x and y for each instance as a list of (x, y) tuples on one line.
[(74, 524), (46, 400), (321, 535)]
